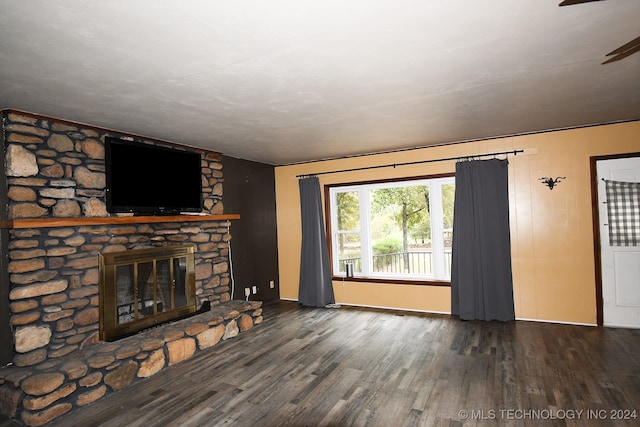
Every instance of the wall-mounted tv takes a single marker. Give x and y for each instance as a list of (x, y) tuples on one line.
[(149, 179)]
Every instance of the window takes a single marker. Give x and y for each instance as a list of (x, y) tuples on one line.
[(398, 230)]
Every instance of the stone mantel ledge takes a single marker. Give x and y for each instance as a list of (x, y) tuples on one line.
[(81, 221), (36, 395)]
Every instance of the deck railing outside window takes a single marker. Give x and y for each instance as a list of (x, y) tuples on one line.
[(411, 263)]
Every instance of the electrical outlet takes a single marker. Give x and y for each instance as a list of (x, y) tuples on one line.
[(247, 292), (255, 289), (272, 284)]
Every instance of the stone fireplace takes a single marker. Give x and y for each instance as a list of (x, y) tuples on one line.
[(142, 288), (56, 231), (58, 228)]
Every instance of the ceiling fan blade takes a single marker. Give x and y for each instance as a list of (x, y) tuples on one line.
[(623, 55), (625, 47), (620, 53), (570, 2)]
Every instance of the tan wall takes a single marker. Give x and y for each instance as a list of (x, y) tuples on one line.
[(551, 231)]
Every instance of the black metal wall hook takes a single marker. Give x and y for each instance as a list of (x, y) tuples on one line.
[(551, 182)]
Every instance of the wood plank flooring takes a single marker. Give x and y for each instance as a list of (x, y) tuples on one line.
[(366, 367)]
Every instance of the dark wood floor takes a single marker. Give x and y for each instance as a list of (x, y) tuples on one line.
[(367, 367)]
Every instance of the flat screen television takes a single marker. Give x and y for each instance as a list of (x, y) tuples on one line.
[(148, 179)]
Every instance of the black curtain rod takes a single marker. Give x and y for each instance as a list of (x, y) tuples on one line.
[(514, 152)]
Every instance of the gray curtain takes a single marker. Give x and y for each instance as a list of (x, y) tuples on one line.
[(481, 280), (315, 289)]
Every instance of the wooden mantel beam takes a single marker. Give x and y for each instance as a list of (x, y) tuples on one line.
[(75, 222)]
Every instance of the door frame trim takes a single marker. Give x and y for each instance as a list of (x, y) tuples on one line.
[(596, 228)]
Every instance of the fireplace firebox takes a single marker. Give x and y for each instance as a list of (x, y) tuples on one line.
[(142, 288)]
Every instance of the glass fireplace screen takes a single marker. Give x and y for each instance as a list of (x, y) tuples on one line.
[(145, 287)]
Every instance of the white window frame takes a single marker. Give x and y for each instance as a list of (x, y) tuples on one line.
[(437, 228)]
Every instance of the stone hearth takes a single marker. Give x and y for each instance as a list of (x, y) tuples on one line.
[(38, 394)]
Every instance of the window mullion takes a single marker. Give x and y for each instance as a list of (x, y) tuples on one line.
[(365, 230), (437, 237)]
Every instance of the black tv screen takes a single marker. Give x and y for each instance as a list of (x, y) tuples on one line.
[(151, 180)]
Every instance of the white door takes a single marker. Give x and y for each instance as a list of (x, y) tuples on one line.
[(620, 264)]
